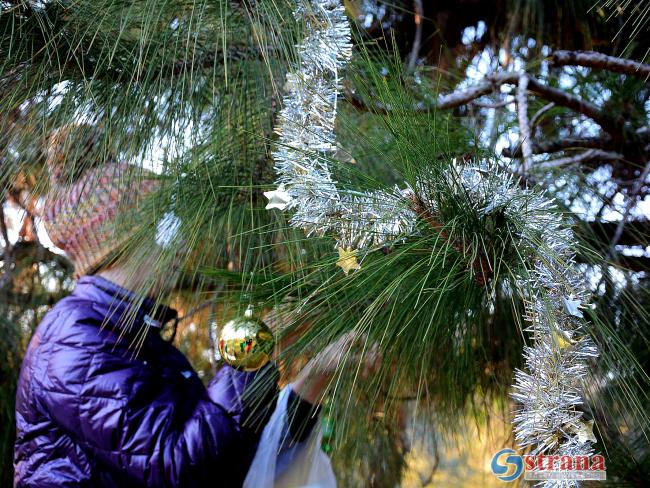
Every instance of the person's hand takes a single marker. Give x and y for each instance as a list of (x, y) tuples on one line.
[(317, 373)]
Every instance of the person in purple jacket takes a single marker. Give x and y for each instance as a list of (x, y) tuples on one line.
[(103, 400)]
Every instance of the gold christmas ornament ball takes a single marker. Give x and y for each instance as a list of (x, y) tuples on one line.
[(246, 343)]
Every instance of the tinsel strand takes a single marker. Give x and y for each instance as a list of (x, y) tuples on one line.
[(307, 140)]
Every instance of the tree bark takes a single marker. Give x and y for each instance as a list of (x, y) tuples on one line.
[(591, 59)]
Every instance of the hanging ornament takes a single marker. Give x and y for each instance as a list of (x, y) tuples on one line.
[(347, 259), (277, 198), (584, 430), (563, 339), (246, 343), (572, 306)]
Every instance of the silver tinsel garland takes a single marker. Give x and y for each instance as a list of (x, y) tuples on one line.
[(549, 391), (307, 140)]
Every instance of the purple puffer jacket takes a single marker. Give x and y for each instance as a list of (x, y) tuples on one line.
[(92, 412)]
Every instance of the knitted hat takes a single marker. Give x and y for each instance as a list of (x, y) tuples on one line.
[(86, 199)]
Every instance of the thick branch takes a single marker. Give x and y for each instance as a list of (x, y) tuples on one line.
[(576, 104), (501, 104), (591, 155), (544, 147), (591, 59), (524, 124), (417, 39), (490, 84), (638, 184), (538, 115)]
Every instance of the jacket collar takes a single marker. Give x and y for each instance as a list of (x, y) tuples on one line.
[(123, 308)]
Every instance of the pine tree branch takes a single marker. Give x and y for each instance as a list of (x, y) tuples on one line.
[(491, 84), (480, 265), (591, 59), (488, 85), (591, 155), (418, 11), (607, 123), (84, 61), (495, 105), (603, 142), (89, 67), (535, 118), (524, 124), (560, 145), (628, 207), (210, 60)]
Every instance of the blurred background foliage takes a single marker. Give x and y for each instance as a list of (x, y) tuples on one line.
[(191, 89)]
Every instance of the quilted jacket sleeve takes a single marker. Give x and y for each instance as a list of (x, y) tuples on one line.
[(147, 420)]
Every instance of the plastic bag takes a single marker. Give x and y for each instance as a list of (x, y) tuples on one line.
[(280, 463)]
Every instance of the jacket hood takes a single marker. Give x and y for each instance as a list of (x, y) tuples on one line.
[(122, 308)]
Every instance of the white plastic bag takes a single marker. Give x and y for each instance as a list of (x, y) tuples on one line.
[(279, 463)]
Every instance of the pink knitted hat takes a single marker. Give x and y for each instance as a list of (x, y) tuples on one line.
[(84, 201)]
